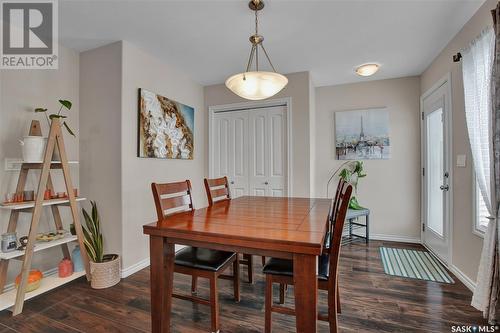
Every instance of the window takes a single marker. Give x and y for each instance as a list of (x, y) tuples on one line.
[(480, 211), (477, 63)]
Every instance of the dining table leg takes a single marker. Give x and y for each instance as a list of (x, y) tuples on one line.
[(162, 256), (306, 292)]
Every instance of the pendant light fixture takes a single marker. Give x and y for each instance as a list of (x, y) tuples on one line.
[(256, 85)]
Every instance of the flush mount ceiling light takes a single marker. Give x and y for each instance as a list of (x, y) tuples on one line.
[(367, 69), (256, 85)]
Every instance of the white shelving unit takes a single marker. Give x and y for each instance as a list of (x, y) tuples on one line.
[(15, 298), (8, 299), (31, 204), (39, 246)]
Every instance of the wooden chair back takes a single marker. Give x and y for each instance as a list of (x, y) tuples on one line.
[(336, 236), (171, 197), (334, 206), (217, 190)]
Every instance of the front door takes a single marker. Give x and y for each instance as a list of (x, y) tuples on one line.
[(436, 172)]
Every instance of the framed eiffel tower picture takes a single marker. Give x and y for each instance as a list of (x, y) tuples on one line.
[(362, 134)]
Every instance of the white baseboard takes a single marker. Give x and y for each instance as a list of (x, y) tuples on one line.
[(394, 238), (134, 268), (462, 277)]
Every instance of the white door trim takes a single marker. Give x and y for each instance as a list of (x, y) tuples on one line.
[(287, 101), (445, 80)]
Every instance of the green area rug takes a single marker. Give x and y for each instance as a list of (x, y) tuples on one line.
[(413, 264)]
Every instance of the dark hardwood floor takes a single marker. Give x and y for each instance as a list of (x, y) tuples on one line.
[(371, 302)]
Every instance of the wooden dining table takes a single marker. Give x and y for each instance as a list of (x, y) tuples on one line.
[(289, 228)]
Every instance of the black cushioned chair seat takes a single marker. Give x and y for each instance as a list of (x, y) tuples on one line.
[(199, 258), (285, 267)]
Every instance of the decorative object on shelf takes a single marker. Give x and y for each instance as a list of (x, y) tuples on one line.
[(77, 259), (104, 268), (9, 198), (9, 242), (23, 242), (72, 229), (50, 236), (34, 280), (33, 148), (29, 195), (166, 127), (362, 134), (65, 268), (256, 85), (48, 194), (350, 171)]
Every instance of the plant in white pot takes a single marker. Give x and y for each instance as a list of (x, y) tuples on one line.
[(104, 268), (34, 146)]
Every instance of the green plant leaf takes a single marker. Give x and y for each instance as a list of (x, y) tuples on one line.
[(93, 239), (54, 116), (40, 110), (67, 104), (68, 129)]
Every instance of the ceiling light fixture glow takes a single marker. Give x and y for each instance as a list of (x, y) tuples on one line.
[(256, 85), (367, 69)]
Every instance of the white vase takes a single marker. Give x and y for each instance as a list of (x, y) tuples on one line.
[(33, 148)]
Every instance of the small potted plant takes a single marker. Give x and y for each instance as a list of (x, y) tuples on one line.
[(104, 268), (351, 171), (40, 142)]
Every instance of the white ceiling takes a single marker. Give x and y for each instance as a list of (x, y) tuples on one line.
[(209, 39)]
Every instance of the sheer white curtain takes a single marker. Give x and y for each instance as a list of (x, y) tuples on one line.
[(477, 65)]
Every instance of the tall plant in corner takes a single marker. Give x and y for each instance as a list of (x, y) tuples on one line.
[(104, 268), (64, 105), (350, 171)]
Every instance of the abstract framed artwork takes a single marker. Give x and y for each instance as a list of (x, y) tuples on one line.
[(166, 127), (362, 134)]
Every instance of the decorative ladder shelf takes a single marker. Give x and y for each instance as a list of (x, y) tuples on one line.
[(17, 297)]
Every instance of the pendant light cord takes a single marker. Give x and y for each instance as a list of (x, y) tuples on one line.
[(255, 49)]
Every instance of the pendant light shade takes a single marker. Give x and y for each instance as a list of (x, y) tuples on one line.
[(256, 85)]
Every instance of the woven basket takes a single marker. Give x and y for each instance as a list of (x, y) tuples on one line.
[(105, 274)]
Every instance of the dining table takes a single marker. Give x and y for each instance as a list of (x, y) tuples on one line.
[(280, 227)]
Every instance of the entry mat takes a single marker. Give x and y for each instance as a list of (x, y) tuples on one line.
[(413, 264)]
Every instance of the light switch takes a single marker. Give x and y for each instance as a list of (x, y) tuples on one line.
[(461, 161)]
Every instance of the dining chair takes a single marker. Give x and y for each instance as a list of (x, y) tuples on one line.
[(326, 245), (176, 198), (217, 191), (281, 270)]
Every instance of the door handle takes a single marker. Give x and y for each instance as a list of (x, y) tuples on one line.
[(266, 183), (232, 182), (444, 187)]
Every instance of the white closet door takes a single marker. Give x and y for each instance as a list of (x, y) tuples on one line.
[(231, 150), (267, 151), (277, 152)]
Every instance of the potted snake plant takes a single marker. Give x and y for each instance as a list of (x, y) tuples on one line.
[(104, 268)]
